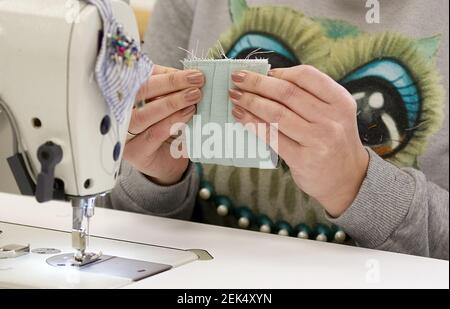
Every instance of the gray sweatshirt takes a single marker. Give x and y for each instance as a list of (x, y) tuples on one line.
[(403, 203)]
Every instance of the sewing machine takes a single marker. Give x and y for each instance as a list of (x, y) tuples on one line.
[(67, 145)]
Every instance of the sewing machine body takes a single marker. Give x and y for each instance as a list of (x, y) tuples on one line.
[(48, 52), (49, 90)]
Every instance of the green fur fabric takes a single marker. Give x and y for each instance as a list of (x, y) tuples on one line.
[(336, 29)]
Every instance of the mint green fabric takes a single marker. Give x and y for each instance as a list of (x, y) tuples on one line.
[(237, 146)]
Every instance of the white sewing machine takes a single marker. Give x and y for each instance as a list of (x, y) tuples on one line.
[(67, 145)]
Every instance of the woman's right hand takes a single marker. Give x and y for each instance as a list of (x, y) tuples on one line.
[(172, 96)]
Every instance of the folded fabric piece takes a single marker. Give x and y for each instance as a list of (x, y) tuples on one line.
[(121, 67), (213, 136)]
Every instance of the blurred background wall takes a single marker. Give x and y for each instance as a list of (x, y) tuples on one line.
[(142, 9)]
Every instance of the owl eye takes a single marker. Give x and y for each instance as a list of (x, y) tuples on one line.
[(265, 46), (389, 105)]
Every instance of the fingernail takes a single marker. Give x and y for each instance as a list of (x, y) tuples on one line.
[(195, 78), (188, 110), (192, 95), (271, 73), (235, 94), (239, 77), (238, 113)]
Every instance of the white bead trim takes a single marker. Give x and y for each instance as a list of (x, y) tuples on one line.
[(222, 211), (244, 223), (204, 194)]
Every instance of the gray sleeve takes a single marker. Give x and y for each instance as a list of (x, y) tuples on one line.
[(398, 210), (169, 32), (135, 193), (169, 29)]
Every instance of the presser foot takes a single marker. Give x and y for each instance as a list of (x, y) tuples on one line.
[(83, 259)]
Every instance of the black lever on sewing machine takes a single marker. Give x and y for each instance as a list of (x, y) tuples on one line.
[(49, 155)]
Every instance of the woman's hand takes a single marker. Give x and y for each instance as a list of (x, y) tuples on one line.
[(171, 97), (318, 133)]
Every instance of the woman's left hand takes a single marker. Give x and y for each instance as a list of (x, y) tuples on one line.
[(318, 132)]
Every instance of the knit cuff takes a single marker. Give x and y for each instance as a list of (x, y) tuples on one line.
[(166, 201), (381, 206)]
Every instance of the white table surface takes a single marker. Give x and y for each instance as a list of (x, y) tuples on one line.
[(242, 259)]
